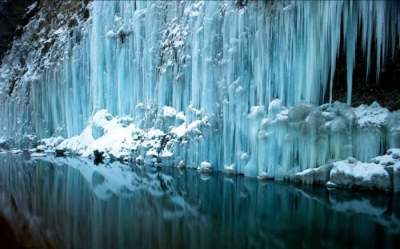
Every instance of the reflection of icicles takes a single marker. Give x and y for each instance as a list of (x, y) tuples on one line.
[(362, 206), (72, 197), (116, 178), (195, 215), (376, 208), (119, 179)]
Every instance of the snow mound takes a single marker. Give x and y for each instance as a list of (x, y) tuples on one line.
[(112, 135), (118, 137), (360, 170), (371, 115), (382, 172)]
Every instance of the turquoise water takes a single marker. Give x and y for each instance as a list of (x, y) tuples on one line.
[(71, 203)]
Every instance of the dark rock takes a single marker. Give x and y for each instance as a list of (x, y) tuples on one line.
[(60, 152), (265, 178), (98, 157), (39, 150), (383, 89), (12, 17), (4, 144)]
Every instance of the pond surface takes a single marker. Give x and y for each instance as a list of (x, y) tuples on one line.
[(71, 203)]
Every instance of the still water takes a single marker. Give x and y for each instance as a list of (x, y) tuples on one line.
[(71, 203)]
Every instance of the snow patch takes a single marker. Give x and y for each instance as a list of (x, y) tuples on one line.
[(371, 115), (205, 167), (364, 171)]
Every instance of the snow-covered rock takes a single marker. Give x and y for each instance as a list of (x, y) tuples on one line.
[(380, 173), (119, 138), (313, 176), (371, 115), (264, 176), (229, 169), (111, 135), (355, 174), (49, 144), (205, 168)]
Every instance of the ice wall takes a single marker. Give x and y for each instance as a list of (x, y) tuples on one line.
[(211, 59)]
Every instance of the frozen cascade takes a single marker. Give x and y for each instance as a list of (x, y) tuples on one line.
[(216, 61)]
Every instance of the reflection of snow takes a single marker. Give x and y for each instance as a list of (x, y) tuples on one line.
[(115, 178), (362, 206)]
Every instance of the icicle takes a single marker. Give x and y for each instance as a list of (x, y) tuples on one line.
[(211, 59)]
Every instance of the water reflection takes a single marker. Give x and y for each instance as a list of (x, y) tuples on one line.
[(70, 203)]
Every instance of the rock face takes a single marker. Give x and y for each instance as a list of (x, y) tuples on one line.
[(381, 173), (12, 16)]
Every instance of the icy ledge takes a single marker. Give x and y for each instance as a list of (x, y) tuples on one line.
[(380, 173), (276, 141)]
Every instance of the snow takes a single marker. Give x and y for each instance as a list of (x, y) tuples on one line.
[(205, 167), (364, 171), (370, 175), (179, 131), (306, 172), (395, 153), (35, 154), (264, 176), (169, 111), (191, 129), (380, 173), (229, 169), (16, 151), (372, 115), (51, 142), (361, 206), (111, 34), (118, 137), (31, 7)]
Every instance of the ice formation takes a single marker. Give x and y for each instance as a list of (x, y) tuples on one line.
[(379, 173), (254, 77), (278, 135)]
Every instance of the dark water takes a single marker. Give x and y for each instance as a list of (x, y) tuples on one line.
[(70, 203)]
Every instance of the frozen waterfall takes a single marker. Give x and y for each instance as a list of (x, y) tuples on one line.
[(258, 73)]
